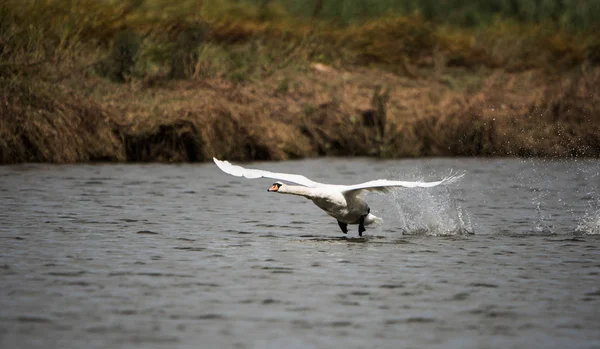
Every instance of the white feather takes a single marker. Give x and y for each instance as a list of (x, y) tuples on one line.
[(239, 171), (384, 185)]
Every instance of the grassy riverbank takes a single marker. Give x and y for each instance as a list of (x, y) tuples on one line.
[(87, 80)]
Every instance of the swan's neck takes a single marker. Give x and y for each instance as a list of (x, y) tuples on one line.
[(296, 190)]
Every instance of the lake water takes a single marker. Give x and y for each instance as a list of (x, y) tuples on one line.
[(185, 256)]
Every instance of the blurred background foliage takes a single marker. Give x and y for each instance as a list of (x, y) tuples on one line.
[(248, 39), (467, 13), (163, 80)]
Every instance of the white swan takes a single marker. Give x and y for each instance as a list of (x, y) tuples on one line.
[(342, 202)]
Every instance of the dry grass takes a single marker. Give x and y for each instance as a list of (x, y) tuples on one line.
[(554, 121), (319, 113), (84, 80), (39, 122)]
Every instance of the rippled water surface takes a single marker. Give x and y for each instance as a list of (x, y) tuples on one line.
[(124, 256)]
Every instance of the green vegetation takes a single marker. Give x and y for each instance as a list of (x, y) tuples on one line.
[(157, 80), (567, 14)]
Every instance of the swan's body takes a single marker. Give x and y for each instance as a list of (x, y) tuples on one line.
[(346, 207), (343, 202)]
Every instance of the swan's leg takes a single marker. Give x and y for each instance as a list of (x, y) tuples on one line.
[(343, 226), (361, 225)]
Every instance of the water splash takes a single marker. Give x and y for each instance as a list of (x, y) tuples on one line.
[(542, 225), (590, 223), (434, 211)]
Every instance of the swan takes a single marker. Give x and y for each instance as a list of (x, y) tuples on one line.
[(342, 202)]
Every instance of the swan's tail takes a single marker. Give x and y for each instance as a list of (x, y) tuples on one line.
[(372, 219)]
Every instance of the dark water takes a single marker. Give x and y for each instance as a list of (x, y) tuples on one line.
[(123, 256)]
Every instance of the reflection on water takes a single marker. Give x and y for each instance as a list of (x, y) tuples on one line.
[(184, 255)]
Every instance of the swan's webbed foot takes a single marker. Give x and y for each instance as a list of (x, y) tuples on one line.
[(343, 226), (361, 226)]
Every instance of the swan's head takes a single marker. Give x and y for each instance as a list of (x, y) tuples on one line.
[(275, 186)]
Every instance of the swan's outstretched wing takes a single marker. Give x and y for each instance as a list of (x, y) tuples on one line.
[(239, 171), (385, 186)]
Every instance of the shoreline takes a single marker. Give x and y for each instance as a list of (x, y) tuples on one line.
[(89, 81), (318, 112)]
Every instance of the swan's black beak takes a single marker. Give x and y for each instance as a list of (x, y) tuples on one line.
[(274, 187)]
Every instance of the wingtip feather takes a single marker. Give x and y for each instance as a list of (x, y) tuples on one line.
[(228, 168), (453, 178)]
